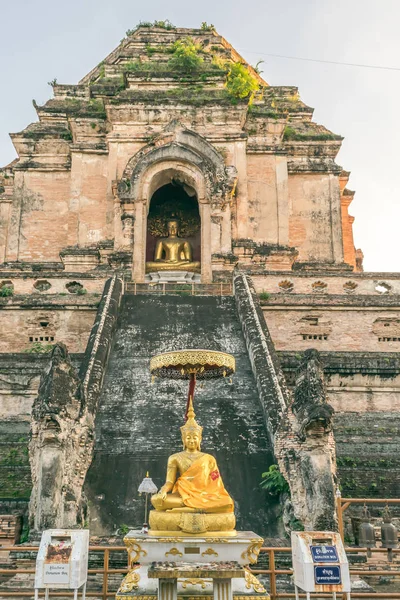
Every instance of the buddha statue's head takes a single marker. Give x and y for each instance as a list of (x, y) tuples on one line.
[(173, 227), (191, 431)]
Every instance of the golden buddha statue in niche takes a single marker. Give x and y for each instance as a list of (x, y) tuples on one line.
[(193, 485), (173, 253)]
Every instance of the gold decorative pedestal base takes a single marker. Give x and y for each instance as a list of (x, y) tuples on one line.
[(195, 562), (181, 523)]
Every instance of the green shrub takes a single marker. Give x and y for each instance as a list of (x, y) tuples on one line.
[(206, 27), (186, 56), (39, 348), (67, 136), (264, 296), (240, 83), (6, 290), (164, 24), (161, 24), (123, 529), (274, 482)]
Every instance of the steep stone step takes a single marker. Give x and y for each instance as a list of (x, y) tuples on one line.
[(137, 423)]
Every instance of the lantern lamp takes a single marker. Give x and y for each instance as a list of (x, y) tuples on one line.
[(147, 487)]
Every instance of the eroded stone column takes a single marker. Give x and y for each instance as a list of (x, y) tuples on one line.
[(139, 246), (205, 216)]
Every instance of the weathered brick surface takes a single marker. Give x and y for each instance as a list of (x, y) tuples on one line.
[(364, 389), (63, 190), (10, 529)]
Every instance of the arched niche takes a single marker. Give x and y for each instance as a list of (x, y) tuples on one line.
[(158, 175), (188, 158), (179, 201)]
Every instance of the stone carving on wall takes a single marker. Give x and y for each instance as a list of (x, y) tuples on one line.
[(62, 423), (312, 412), (179, 144), (305, 449), (60, 449)]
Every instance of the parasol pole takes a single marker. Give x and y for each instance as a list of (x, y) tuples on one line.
[(192, 385)]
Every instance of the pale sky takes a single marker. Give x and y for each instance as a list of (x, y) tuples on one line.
[(45, 39)]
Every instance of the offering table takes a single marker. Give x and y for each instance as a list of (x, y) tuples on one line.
[(221, 574)]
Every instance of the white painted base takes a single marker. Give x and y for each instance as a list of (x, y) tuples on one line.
[(173, 277)]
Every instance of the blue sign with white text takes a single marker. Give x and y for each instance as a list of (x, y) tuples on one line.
[(327, 575), (326, 554)]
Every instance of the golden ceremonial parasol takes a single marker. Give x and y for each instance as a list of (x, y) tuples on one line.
[(192, 365)]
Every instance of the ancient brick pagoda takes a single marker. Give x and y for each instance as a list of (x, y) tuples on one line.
[(151, 171)]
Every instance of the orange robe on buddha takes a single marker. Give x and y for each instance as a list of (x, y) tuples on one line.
[(201, 486)]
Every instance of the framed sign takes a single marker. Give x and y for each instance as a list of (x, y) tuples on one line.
[(323, 553), (57, 561), (327, 575)]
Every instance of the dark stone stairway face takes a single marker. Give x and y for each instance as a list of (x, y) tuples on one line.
[(137, 423)]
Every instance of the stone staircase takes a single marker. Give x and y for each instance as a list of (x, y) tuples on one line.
[(137, 422)]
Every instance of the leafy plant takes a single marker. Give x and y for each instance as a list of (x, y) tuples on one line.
[(161, 24), (123, 529), (264, 296), (160, 49), (39, 348), (186, 56), (53, 82), (290, 133), (206, 27), (164, 24), (6, 290), (240, 83), (274, 482), (25, 532), (67, 136), (257, 67)]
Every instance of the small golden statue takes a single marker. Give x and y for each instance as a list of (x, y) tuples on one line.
[(199, 485), (173, 253), (193, 485)]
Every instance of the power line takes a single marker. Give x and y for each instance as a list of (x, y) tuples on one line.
[(330, 62)]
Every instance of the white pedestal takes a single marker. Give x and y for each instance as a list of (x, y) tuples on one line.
[(173, 277)]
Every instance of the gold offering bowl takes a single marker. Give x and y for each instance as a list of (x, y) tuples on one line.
[(184, 364)]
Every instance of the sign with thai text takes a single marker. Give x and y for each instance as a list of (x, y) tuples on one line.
[(326, 554), (56, 573), (327, 575)]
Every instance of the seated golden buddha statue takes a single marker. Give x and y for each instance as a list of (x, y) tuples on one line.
[(193, 498), (173, 253)]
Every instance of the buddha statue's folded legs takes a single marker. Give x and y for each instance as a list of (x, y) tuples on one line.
[(169, 502), (174, 502)]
